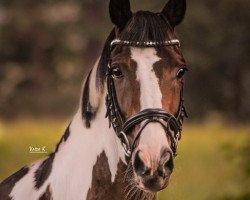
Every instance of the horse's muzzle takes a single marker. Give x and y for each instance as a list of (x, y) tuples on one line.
[(153, 177)]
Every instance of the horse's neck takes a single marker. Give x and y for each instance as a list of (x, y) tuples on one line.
[(92, 154)]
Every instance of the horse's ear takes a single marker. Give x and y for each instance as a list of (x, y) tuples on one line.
[(120, 12), (175, 11)]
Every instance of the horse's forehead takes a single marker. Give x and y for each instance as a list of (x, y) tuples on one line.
[(160, 60), (144, 56)]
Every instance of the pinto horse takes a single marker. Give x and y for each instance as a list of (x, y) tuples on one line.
[(122, 141)]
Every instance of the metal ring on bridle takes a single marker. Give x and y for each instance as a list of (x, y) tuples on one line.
[(125, 143)]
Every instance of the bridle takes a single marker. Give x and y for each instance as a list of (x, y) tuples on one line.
[(170, 123)]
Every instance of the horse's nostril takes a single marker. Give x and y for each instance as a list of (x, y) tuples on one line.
[(161, 173), (146, 172), (168, 162), (139, 166)]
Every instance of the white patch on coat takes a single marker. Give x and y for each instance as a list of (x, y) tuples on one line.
[(151, 96), (94, 92)]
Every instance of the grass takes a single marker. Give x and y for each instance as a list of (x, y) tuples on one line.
[(207, 166)]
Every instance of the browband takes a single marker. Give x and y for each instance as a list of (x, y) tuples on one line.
[(145, 44)]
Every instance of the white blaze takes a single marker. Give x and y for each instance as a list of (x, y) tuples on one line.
[(145, 58), (154, 136)]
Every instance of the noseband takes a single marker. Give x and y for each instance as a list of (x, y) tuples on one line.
[(170, 123)]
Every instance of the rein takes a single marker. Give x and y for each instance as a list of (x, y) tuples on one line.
[(170, 123)]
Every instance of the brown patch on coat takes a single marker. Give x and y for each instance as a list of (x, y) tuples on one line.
[(166, 70), (88, 111), (102, 187), (7, 185), (43, 171), (46, 195), (127, 88)]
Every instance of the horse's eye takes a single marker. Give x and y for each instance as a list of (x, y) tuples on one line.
[(181, 73), (116, 72)]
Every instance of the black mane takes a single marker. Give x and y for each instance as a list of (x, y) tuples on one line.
[(142, 27)]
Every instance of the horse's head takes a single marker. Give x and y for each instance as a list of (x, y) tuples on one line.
[(145, 83)]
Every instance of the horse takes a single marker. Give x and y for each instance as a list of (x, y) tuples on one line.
[(122, 142)]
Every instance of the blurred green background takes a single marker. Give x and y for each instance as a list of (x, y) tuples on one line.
[(47, 47)]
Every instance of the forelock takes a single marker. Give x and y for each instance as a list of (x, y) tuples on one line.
[(147, 26)]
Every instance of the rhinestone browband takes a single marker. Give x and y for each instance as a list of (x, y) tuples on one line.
[(146, 44)]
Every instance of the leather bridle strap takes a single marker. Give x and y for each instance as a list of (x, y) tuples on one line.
[(113, 110), (151, 114), (167, 121)]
